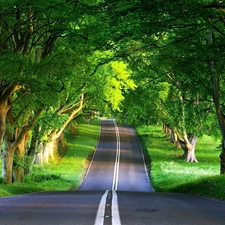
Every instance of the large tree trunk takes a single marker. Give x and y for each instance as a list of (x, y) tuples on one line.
[(172, 136), (222, 158), (176, 139), (62, 143), (32, 151), (215, 78), (48, 151), (6, 117), (6, 104), (8, 150), (168, 130), (7, 157), (51, 146), (221, 122), (8, 153), (39, 156), (2, 122), (190, 146), (19, 159), (12, 143), (7, 165), (188, 143)]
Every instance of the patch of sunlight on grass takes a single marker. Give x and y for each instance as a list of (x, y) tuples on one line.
[(177, 168), (170, 172)]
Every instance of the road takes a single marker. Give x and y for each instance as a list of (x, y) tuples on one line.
[(118, 163), (116, 190)]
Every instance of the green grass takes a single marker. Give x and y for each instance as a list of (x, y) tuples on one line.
[(171, 173), (63, 173)]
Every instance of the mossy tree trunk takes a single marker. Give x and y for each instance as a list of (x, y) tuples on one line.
[(13, 143), (19, 159)]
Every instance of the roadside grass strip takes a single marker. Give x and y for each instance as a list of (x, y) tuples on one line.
[(169, 172), (66, 171)]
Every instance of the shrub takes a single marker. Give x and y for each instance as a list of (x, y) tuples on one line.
[(44, 177), (2, 181)]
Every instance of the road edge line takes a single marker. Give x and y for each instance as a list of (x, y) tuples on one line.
[(92, 159), (117, 161)]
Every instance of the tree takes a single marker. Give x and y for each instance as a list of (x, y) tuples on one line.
[(198, 41), (29, 36), (52, 58), (176, 33)]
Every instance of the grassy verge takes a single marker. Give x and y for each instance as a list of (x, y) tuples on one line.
[(171, 173), (63, 173)]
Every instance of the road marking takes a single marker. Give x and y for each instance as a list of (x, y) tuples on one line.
[(108, 129), (115, 210), (102, 214), (145, 167), (99, 220), (92, 159), (117, 161)]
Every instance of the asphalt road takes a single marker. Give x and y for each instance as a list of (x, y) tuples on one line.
[(116, 190), (118, 163)]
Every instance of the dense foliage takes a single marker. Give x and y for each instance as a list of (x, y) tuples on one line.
[(139, 61)]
